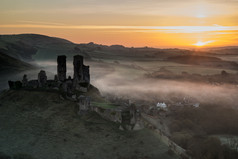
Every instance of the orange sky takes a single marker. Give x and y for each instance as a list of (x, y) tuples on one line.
[(164, 23)]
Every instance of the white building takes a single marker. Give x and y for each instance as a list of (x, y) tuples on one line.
[(161, 106), (196, 105)]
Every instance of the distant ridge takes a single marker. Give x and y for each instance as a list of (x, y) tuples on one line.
[(33, 38), (36, 47)]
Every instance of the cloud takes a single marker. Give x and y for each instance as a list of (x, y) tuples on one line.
[(165, 29), (128, 7), (39, 22)]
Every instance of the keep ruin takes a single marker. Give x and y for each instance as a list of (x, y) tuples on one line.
[(80, 81)]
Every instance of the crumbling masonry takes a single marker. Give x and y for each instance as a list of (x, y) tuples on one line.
[(126, 116), (80, 82)]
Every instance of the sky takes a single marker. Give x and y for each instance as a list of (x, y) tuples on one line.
[(137, 23)]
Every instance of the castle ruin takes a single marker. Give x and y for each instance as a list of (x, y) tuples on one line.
[(69, 87), (80, 82)]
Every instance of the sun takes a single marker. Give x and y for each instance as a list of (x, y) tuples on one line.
[(203, 43), (199, 43), (201, 16)]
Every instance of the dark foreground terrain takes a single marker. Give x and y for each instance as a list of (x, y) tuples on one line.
[(44, 126)]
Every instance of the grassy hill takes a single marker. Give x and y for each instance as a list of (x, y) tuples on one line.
[(207, 61), (9, 64), (40, 47), (37, 47), (26, 46), (41, 125)]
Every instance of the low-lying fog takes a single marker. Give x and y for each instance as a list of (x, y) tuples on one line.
[(117, 81), (165, 90)]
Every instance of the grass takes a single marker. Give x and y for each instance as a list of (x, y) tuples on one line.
[(42, 125)]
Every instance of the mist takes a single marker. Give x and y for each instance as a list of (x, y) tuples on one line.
[(112, 81), (154, 90)]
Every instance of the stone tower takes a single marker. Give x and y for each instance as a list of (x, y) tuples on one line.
[(61, 68), (78, 70), (86, 74), (81, 79)]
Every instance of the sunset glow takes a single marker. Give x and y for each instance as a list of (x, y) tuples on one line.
[(164, 24), (201, 43)]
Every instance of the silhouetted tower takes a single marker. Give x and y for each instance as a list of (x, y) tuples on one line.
[(61, 67), (81, 73), (86, 74), (78, 69)]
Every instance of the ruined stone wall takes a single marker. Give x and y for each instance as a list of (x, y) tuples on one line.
[(120, 115), (109, 114)]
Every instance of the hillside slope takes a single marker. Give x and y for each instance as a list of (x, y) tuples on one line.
[(25, 46), (11, 65), (42, 125), (29, 47)]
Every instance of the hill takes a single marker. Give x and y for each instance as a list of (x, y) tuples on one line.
[(30, 47), (193, 59), (207, 61), (227, 50), (42, 125), (9, 64), (37, 47), (26, 46)]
